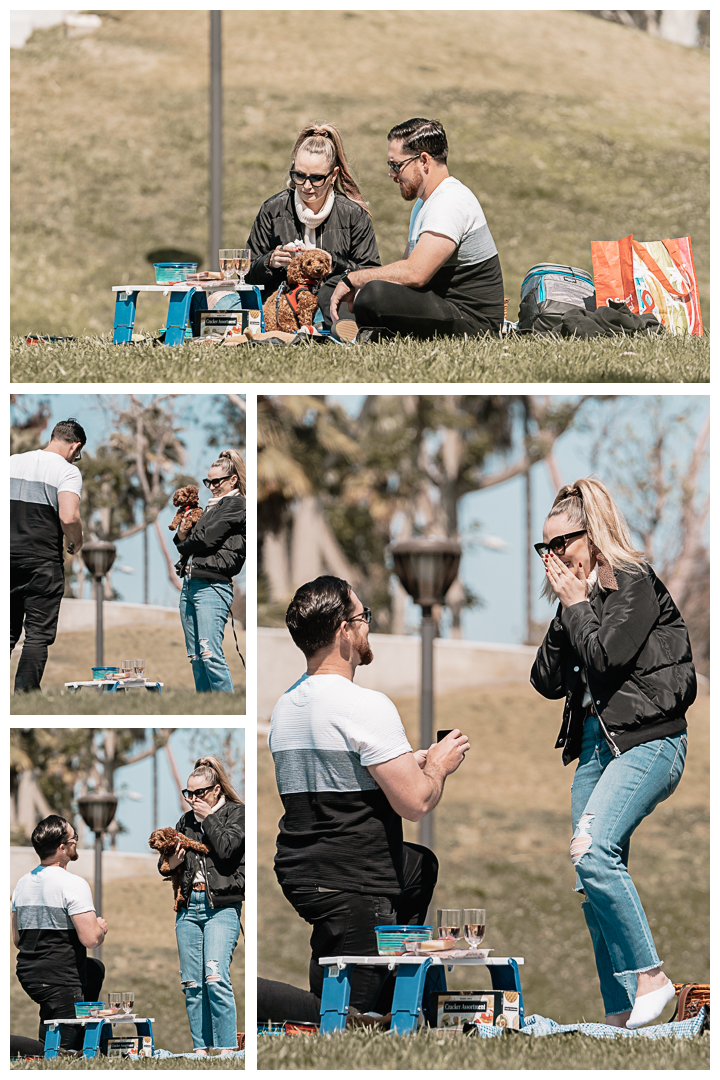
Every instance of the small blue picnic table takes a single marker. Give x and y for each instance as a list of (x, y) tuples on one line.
[(181, 294), (98, 1030)]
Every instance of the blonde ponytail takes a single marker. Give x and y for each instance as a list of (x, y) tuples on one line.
[(325, 139), (212, 770), (234, 465)]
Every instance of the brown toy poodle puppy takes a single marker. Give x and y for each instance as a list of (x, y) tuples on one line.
[(186, 499), (165, 841), (295, 302)]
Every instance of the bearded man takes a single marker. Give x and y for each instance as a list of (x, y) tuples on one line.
[(449, 280), (347, 776), (53, 925)]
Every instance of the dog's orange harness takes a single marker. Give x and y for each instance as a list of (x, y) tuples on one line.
[(291, 295)]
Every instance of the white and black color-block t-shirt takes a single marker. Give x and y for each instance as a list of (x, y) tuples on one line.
[(36, 479), (471, 278), (50, 950), (339, 830)]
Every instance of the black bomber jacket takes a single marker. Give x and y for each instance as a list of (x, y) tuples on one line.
[(635, 650), (346, 233), (224, 867), (216, 542)]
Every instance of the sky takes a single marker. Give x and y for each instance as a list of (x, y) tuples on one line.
[(134, 785), (197, 412), (498, 576)]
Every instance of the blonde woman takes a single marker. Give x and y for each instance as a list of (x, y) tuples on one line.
[(212, 553), (212, 890), (322, 207), (619, 653)]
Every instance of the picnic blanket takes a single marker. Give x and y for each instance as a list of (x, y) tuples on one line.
[(542, 1025), (196, 1057)]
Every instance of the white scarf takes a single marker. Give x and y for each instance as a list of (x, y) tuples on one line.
[(311, 220), (215, 500), (199, 875)]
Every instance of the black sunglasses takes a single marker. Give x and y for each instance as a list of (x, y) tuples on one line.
[(558, 543), (315, 179), (214, 483), (365, 614), (198, 793), (73, 839), (396, 166)]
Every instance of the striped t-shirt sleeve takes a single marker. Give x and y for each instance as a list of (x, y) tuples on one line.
[(375, 730)]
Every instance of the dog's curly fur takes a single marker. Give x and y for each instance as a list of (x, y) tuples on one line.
[(307, 266), (165, 841), (184, 497)]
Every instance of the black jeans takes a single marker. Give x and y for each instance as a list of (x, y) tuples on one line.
[(35, 594), (344, 922), (419, 313), (58, 1002)]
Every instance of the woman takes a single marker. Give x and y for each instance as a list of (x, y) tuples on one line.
[(619, 652), (213, 552), (322, 208), (212, 889)]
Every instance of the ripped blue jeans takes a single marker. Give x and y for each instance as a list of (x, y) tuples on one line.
[(204, 610), (206, 939), (610, 797)]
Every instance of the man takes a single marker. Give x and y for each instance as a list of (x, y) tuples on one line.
[(449, 280), (45, 488), (347, 775), (53, 923)]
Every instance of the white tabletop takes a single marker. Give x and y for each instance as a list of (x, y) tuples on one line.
[(185, 286), (132, 1019), (112, 682), (448, 961)]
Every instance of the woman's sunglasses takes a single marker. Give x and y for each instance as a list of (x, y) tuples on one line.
[(215, 483), (315, 179), (558, 543), (198, 793)]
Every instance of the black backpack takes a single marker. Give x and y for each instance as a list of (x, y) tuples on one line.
[(548, 291)]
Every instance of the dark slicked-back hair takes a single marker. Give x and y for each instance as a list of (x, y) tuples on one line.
[(316, 611), (419, 136), (49, 833), (69, 431)]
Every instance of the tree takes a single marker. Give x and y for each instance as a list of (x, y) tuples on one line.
[(26, 433)]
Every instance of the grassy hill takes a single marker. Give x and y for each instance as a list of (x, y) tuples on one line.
[(568, 129), (140, 952), (502, 833)]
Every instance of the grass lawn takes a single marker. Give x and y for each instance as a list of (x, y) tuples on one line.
[(547, 120), (141, 952), (518, 359), (373, 1050), (502, 832), (73, 655), (61, 1064)]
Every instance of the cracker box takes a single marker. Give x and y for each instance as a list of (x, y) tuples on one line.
[(211, 323), (453, 1008), (133, 1047)]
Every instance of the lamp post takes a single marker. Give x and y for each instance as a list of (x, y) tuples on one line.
[(216, 103), (426, 567), (98, 556), (97, 811)]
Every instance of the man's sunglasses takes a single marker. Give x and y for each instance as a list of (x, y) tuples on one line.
[(315, 179), (396, 166), (558, 543), (73, 839), (198, 793), (215, 483), (365, 614)]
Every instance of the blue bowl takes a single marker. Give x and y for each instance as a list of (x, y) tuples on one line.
[(102, 672), (177, 271)]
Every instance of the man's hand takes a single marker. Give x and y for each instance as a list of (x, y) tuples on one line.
[(177, 857), (343, 291), (103, 925), (449, 753), (569, 589), (421, 757)]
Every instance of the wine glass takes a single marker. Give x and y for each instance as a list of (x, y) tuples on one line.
[(473, 926), (228, 264), (127, 668), (128, 1000), (115, 1001), (242, 265), (139, 666), (449, 922)]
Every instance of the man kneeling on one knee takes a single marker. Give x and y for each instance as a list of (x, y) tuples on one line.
[(347, 776), (449, 280)]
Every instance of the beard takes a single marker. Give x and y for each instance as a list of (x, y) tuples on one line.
[(364, 652), (75, 856)]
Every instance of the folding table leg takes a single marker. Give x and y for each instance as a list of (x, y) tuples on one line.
[(408, 996), (177, 317), (335, 998), (125, 305), (507, 977), (52, 1041), (435, 980), (91, 1042), (143, 1028)]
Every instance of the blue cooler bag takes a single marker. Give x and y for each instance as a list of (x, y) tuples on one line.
[(547, 293)]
